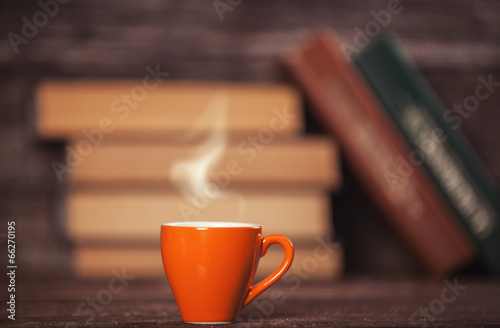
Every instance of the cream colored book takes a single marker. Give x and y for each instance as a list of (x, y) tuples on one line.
[(75, 109), (292, 162), (315, 261), (135, 216)]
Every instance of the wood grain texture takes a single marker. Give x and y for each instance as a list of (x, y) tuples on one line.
[(189, 39), (346, 303)]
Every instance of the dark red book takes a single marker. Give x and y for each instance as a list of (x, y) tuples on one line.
[(379, 155)]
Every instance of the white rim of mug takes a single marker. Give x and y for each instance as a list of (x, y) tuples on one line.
[(210, 224)]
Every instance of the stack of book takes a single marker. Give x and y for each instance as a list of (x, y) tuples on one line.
[(396, 136), (142, 155)]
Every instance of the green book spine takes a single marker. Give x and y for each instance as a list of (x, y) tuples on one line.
[(442, 150)]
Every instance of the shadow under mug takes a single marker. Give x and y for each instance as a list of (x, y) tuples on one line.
[(210, 267)]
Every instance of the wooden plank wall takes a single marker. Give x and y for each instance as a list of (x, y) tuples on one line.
[(453, 41)]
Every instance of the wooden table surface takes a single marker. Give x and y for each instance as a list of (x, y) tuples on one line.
[(345, 303)]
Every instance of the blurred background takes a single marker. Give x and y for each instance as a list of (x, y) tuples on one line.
[(111, 45)]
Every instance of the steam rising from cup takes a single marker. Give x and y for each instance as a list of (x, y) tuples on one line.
[(191, 175)]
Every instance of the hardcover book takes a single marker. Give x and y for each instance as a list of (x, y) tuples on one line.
[(134, 215), (308, 162), (81, 108), (442, 150), (379, 155)]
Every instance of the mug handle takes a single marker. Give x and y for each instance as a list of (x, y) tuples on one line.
[(267, 241)]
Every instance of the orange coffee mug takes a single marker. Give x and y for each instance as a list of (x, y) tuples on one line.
[(210, 267)]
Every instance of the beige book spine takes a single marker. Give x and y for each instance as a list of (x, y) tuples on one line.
[(312, 262), (136, 217), (66, 109), (306, 162)]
